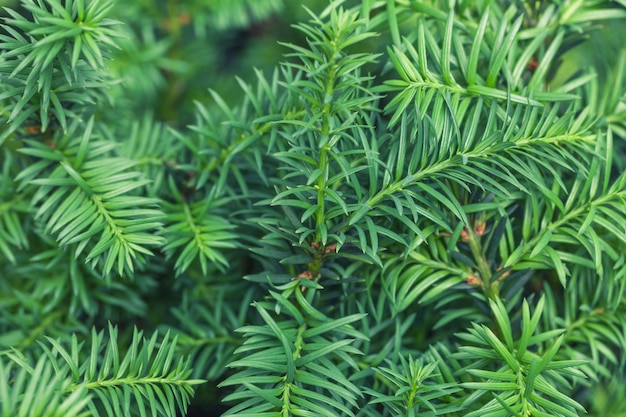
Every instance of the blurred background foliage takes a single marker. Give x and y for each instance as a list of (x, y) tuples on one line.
[(181, 49)]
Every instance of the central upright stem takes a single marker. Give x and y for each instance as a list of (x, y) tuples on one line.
[(320, 218), (490, 289)]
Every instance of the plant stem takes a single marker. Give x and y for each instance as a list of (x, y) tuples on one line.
[(320, 217), (484, 269)]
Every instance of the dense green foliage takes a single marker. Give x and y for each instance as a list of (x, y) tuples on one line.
[(420, 212)]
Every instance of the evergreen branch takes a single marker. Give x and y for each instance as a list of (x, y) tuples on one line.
[(593, 332), (526, 382), (102, 382), (411, 389), (39, 391), (331, 107), (80, 197), (426, 73), (201, 235), (52, 57), (590, 207), (547, 226), (289, 365), (485, 160)]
